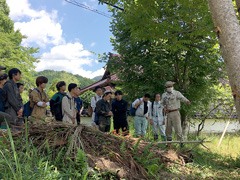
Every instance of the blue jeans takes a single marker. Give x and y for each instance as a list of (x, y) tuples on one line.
[(140, 125)]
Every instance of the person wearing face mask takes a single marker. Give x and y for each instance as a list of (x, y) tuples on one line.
[(171, 102)]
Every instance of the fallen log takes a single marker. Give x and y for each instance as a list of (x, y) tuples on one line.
[(184, 142)]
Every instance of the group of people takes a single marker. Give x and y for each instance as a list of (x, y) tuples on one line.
[(68, 107), (159, 112)]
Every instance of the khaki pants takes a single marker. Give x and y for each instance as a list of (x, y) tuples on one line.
[(174, 120)]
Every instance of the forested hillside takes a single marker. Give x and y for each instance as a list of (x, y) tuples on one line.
[(55, 76), (97, 78)]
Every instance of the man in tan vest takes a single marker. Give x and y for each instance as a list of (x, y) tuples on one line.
[(171, 102)]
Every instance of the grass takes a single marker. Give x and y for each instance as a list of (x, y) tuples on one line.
[(19, 159)]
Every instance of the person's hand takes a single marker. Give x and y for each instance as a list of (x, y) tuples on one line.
[(20, 111), (110, 113), (44, 105), (147, 117), (163, 123), (129, 120), (188, 102), (151, 121), (165, 110), (95, 126), (73, 121)]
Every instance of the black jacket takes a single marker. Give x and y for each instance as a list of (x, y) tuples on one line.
[(119, 109)]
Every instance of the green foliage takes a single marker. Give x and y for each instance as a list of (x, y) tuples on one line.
[(97, 78), (86, 97), (165, 40), (123, 147), (12, 54), (56, 76), (64, 76)]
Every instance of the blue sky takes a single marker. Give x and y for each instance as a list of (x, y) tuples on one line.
[(66, 34)]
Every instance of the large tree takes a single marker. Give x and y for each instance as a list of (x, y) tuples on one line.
[(12, 54), (166, 40), (228, 30)]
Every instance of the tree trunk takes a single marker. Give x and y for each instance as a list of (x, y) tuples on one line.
[(228, 28)]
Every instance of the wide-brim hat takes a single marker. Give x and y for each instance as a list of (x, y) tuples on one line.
[(107, 91), (169, 83)]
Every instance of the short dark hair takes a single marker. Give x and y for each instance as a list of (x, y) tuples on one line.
[(12, 72), (3, 76), (40, 80), (60, 84), (71, 86), (19, 84), (96, 88), (118, 92), (147, 95)]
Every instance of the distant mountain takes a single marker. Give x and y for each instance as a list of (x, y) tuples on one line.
[(97, 78), (65, 76)]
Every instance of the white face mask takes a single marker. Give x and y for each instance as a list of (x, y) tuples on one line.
[(170, 90)]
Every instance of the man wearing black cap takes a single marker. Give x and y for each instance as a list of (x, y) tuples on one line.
[(94, 100)]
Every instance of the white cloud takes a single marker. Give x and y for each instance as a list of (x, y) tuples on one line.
[(69, 57), (42, 28), (64, 2), (93, 44)]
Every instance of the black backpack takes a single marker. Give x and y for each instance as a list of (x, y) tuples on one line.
[(56, 108)]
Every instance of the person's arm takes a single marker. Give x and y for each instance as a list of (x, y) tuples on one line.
[(125, 106), (99, 109), (81, 108), (11, 98), (113, 107), (136, 103), (182, 98), (46, 99), (66, 107), (52, 102), (93, 103), (149, 110), (150, 113)]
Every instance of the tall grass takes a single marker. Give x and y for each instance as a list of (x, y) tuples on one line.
[(21, 160)]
